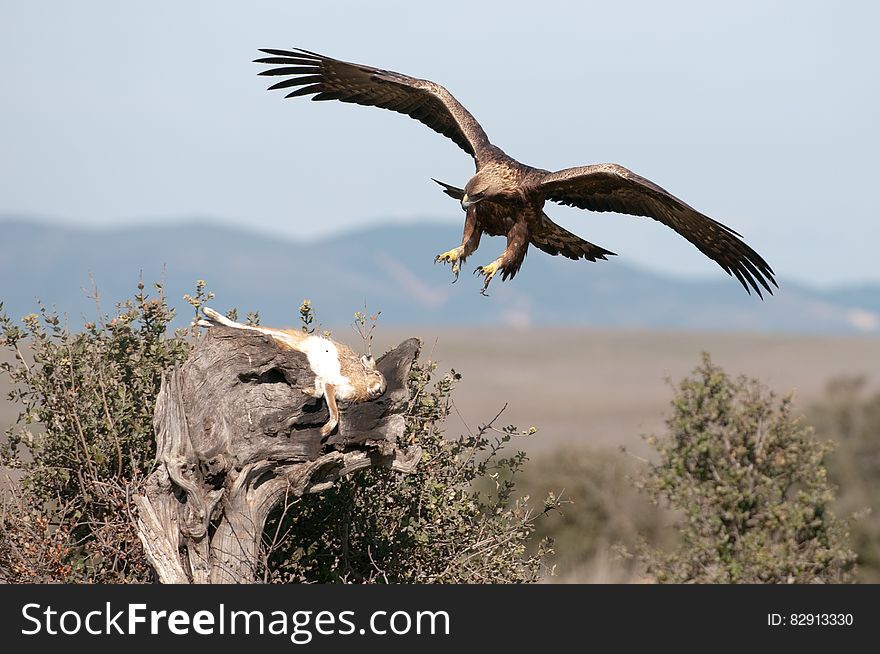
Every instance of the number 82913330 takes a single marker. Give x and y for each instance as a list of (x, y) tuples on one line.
[(809, 619)]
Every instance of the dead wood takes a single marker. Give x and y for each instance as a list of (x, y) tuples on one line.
[(235, 435)]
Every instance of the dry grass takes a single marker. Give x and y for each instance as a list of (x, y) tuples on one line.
[(600, 387), (603, 387)]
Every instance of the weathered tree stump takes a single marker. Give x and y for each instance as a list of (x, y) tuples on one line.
[(235, 435)]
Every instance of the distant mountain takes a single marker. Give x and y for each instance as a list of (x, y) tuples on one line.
[(390, 268)]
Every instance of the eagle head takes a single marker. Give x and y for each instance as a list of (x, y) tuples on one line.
[(481, 186)]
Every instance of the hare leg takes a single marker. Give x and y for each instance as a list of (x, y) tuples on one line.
[(330, 397)]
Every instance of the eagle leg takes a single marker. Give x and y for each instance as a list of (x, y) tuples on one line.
[(470, 241), (511, 260)]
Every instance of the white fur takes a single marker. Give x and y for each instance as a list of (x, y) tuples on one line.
[(321, 352), (324, 361), (219, 317)]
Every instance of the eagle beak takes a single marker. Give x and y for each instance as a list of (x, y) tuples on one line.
[(465, 202)]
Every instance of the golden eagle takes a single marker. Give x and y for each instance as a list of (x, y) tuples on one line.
[(505, 197)]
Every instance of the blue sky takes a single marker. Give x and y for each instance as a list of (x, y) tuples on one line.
[(761, 114)]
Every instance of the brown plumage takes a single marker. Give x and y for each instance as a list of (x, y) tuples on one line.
[(506, 197)]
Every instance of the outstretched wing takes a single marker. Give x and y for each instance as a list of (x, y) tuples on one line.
[(331, 79), (548, 236), (609, 187)]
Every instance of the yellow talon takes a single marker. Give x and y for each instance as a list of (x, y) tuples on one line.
[(488, 272), (451, 256)]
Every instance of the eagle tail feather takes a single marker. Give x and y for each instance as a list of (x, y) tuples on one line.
[(554, 240)]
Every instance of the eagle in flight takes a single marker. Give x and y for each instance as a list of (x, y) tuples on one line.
[(506, 197)]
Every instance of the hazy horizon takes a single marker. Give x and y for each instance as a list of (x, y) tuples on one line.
[(711, 275)]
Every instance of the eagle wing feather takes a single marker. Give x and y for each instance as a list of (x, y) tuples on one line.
[(331, 79), (609, 187)]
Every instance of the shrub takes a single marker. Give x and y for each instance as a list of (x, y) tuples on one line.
[(83, 440), (750, 485), (83, 444), (432, 526)]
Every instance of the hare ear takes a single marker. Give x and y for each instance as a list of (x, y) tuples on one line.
[(368, 362)]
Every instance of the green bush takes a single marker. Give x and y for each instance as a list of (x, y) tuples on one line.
[(749, 482), (84, 443), (83, 440), (432, 526)]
